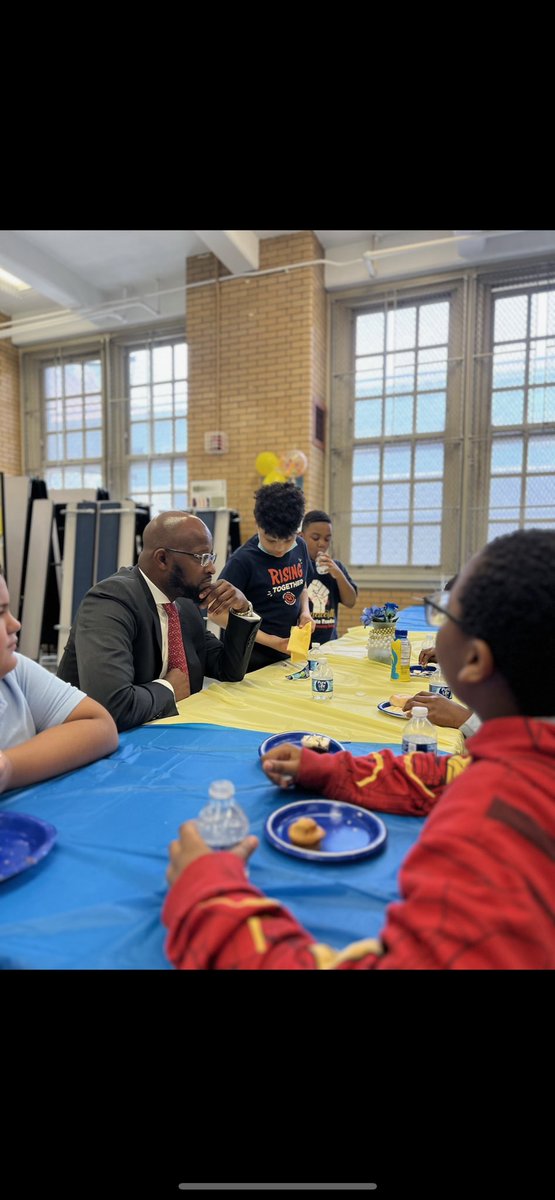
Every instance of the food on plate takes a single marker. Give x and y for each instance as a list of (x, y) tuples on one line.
[(398, 700), (305, 832), (316, 741)]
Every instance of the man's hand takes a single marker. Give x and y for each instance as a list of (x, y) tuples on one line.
[(6, 771), (428, 655), (440, 710), (180, 682), (282, 764), (191, 846), (222, 596)]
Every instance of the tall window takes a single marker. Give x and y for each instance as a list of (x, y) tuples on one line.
[(72, 422), (522, 457), (400, 421), (157, 426)]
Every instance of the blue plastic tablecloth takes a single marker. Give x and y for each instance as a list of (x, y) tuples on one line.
[(95, 900), (414, 620)]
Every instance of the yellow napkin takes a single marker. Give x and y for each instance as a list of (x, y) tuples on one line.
[(299, 641)]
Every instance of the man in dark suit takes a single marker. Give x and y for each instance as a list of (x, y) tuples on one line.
[(138, 642)]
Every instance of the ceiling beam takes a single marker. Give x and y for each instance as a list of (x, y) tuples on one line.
[(44, 274), (237, 249)]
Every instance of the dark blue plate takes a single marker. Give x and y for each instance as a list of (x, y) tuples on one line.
[(23, 842), (357, 834), (278, 739), (426, 671), (387, 707)]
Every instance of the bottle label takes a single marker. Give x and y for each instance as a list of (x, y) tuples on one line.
[(441, 689), (422, 747), (322, 685)]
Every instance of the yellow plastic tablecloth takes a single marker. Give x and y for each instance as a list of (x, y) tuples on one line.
[(266, 700)]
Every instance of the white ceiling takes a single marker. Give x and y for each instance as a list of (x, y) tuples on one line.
[(83, 280)]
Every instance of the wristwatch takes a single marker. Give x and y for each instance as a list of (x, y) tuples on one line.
[(248, 612)]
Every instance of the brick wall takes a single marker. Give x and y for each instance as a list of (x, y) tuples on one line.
[(10, 436), (257, 363)]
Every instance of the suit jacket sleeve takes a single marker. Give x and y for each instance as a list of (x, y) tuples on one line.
[(228, 660), (105, 632)]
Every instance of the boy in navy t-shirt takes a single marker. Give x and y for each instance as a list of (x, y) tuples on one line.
[(325, 591), (272, 568)]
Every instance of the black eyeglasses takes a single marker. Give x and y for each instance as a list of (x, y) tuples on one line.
[(436, 611), (203, 559)]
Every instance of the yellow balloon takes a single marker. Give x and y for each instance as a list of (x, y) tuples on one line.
[(274, 477), (266, 461)]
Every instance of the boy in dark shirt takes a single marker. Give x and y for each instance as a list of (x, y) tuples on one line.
[(273, 566), (333, 586)]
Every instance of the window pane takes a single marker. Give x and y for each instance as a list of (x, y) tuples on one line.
[(163, 437), (433, 328), (139, 367), (543, 315), (180, 399), (74, 445), (93, 381), (139, 401), (507, 408), (430, 412), (504, 498), (54, 477), (161, 474), (426, 545), (93, 443), (369, 380), (160, 502), (52, 383), (426, 495), (73, 477), (541, 405), (506, 455), (92, 475), (395, 502), (366, 464), (540, 497), (368, 418), (74, 414), (180, 473), (428, 459), (162, 364), (509, 365), (541, 452), (364, 545), (370, 332), (432, 370), (180, 361), (73, 379), (181, 436), (138, 477), (395, 545), (400, 373), (93, 411), (180, 499), (399, 412), (401, 328), (396, 461), (365, 504), (54, 415), (162, 400), (511, 317), (54, 446), (498, 529), (140, 438), (542, 362)]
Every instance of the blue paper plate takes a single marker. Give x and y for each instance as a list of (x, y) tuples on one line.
[(423, 671), (23, 842), (387, 707), (358, 833), (278, 739)]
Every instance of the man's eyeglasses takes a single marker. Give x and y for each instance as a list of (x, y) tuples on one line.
[(203, 559), (436, 611)]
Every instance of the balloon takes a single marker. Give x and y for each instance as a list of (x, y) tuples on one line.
[(294, 463), (266, 461), (274, 477)]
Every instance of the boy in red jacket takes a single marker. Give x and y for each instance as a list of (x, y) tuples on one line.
[(478, 888)]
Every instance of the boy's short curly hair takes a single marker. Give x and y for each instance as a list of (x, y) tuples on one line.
[(279, 508), (316, 515), (509, 602)]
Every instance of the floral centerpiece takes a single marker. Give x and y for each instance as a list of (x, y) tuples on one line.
[(382, 621)]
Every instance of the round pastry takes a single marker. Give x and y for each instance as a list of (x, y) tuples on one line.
[(305, 832), (316, 741), (398, 700)]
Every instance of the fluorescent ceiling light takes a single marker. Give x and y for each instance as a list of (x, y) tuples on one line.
[(10, 283)]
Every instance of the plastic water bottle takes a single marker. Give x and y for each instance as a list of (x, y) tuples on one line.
[(313, 656), (419, 734), (222, 822), (322, 681)]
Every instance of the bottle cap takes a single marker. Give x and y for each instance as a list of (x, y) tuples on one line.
[(419, 712), (221, 789), (401, 632)]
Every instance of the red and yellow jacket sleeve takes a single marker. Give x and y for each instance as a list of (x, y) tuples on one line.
[(409, 784)]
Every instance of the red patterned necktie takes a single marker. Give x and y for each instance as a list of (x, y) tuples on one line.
[(176, 649)]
